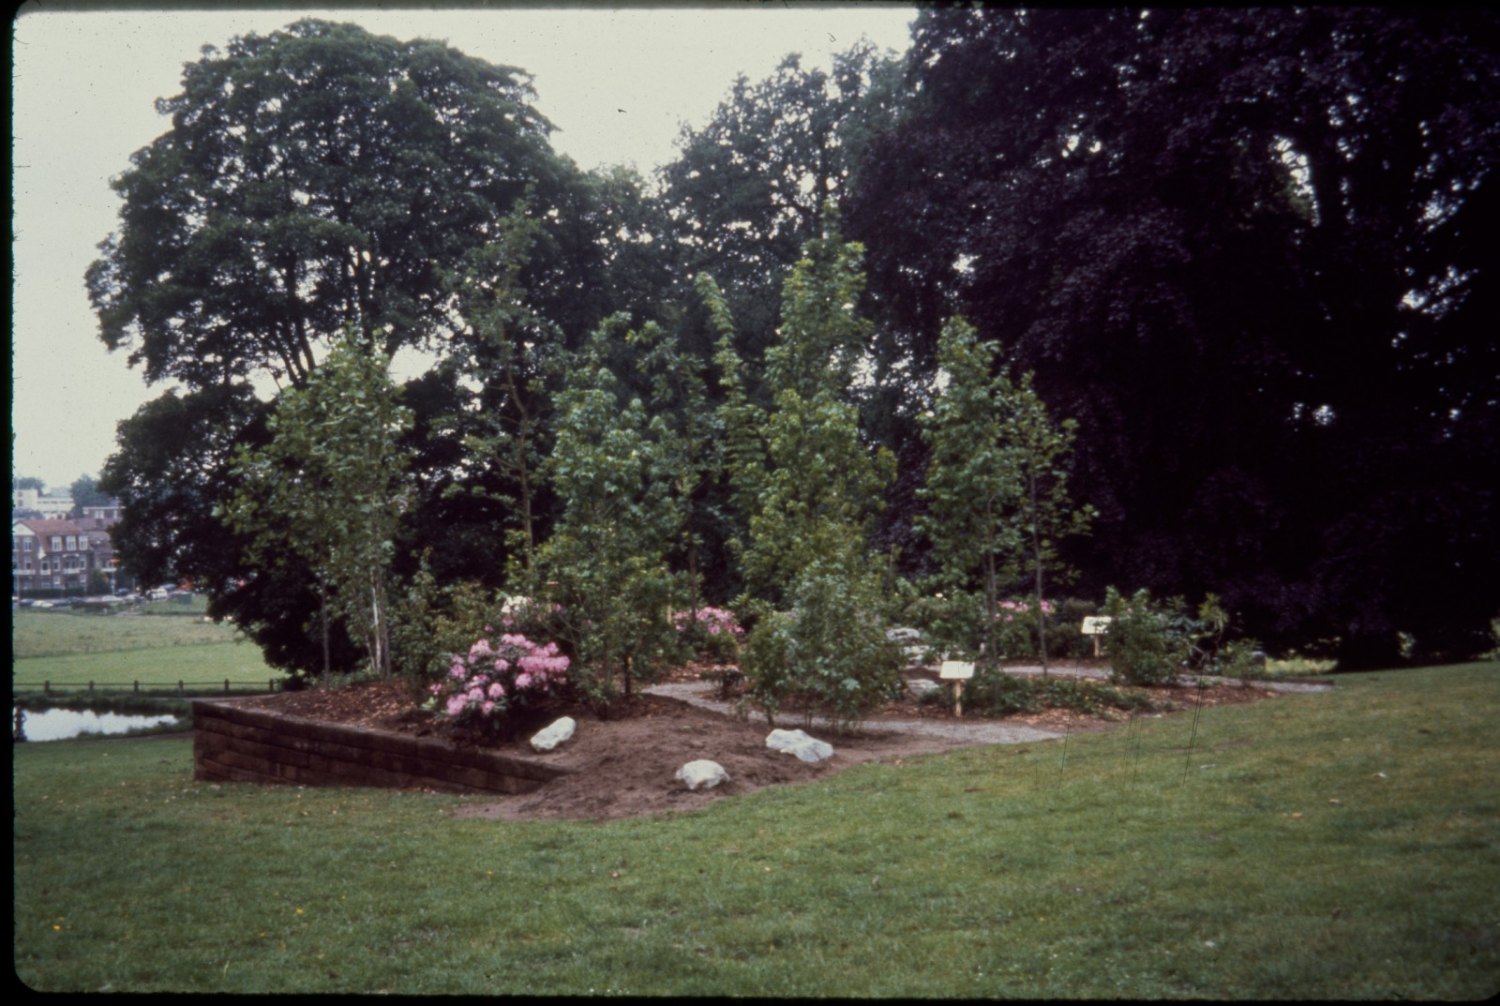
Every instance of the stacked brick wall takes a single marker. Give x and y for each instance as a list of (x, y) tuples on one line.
[(238, 744)]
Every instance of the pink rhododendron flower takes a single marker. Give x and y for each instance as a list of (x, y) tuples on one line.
[(497, 691), (456, 704)]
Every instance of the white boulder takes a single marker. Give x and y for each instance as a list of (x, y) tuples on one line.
[(555, 734), (922, 686), (702, 774), (797, 742)]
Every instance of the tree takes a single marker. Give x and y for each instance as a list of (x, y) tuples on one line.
[(806, 483), (1044, 512), (1246, 249), (85, 492), (687, 437), (331, 484), (972, 482), (809, 487), (747, 191), (996, 493), (312, 179), (170, 475), (606, 563)]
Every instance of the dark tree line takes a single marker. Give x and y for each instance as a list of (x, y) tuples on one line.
[(1246, 250)]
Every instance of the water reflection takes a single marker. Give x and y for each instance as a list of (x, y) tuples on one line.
[(63, 724)]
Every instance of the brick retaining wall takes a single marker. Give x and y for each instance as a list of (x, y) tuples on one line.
[(238, 744)]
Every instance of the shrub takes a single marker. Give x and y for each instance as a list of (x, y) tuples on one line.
[(951, 621), (1148, 641), (491, 688), (830, 652), (710, 633), (1065, 638), (1239, 658), (993, 693)]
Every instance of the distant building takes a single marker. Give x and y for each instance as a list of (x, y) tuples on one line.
[(46, 504), (59, 555)]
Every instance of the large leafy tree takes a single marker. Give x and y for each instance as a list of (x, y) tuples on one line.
[(314, 179), (1247, 249), (748, 189)]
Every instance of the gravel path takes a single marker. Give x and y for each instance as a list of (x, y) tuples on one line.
[(1098, 675), (977, 732)]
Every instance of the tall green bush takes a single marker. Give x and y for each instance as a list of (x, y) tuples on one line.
[(829, 653)]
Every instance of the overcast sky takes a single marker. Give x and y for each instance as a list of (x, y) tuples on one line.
[(85, 78)]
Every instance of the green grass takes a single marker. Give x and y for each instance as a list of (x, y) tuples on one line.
[(64, 633), (115, 651), (1338, 845)]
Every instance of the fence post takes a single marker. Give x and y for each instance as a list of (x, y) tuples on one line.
[(226, 686), (137, 686), (180, 688), (91, 688), (46, 688)]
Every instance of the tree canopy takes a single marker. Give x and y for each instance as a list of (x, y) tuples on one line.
[(1247, 251)]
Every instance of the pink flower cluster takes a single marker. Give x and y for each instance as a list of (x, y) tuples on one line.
[(493, 678), (1015, 609), (714, 621)]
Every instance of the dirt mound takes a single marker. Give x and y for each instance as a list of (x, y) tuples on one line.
[(624, 766)]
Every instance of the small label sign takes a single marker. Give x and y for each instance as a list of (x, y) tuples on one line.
[(1096, 625), (956, 670)]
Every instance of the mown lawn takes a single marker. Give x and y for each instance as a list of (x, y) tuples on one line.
[(115, 651), (1341, 845)]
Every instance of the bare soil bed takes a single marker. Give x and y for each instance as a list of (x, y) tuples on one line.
[(625, 765)]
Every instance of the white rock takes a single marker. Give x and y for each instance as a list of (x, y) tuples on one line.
[(922, 686), (560, 731), (797, 742), (702, 774)]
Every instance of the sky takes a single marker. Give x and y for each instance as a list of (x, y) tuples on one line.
[(85, 78)]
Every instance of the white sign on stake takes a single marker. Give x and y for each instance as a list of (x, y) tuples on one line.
[(1096, 626), (957, 671)]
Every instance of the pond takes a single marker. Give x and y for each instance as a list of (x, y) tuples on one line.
[(65, 724)]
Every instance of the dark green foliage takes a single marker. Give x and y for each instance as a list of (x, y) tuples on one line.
[(828, 654), (615, 467), (1148, 642), (994, 693), (1248, 250), (314, 178)]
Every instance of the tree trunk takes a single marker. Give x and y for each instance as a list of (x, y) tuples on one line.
[(1036, 552)]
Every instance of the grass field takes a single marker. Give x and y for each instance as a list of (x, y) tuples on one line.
[(114, 651), (1338, 845)]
